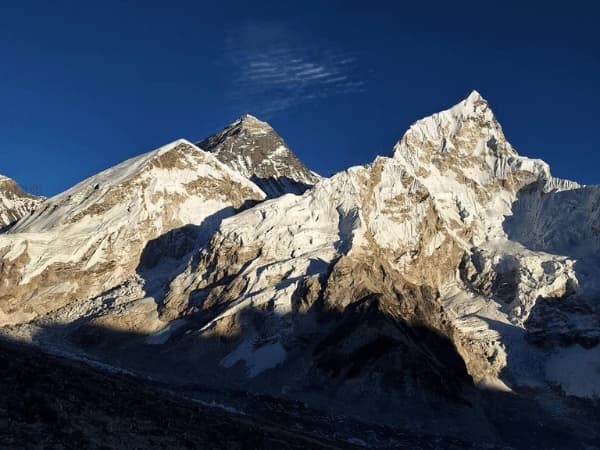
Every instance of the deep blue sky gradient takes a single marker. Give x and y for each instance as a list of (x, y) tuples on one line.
[(85, 85)]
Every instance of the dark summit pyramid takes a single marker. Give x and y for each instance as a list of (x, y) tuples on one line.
[(254, 149)]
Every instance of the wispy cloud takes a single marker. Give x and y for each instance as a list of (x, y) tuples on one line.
[(273, 70)]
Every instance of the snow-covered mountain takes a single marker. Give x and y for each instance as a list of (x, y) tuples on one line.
[(254, 149), (94, 236), (435, 223), (14, 203), (389, 291)]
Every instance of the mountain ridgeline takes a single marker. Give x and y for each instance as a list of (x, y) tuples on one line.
[(254, 149), (14, 202), (453, 282)]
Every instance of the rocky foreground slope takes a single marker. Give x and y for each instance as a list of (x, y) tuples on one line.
[(394, 292), (48, 402)]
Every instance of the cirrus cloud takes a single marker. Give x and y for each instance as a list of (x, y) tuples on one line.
[(273, 70)]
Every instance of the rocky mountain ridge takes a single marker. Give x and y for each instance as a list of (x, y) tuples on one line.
[(90, 238), (389, 292), (254, 149)]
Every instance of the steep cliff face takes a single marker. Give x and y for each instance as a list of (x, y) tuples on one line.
[(14, 203), (254, 149)]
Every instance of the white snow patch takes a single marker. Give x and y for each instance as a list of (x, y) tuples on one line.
[(281, 151), (257, 360)]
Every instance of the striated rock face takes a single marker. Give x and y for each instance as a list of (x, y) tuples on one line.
[(254, 149), (14, 203), (384, 291)]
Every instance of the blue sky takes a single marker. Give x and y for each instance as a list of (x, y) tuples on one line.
[(85, 85)]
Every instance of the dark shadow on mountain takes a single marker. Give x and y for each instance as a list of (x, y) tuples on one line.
[(565, 223), (178, 242), (406, 376), (404, 371), (553, 420), (359, 343), (538, 220), (511, 335), (7, 228), (365, 339), (277, 186), (564, 322), (347, 222), (52, 402), (165, 257)]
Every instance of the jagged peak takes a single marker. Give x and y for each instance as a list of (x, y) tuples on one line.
[(471, 119), (474, 105), (246, 124), (251, 124), (7, 181), (474, 96), (249, 118), (175, 169), (9, 184), (254, 149)]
